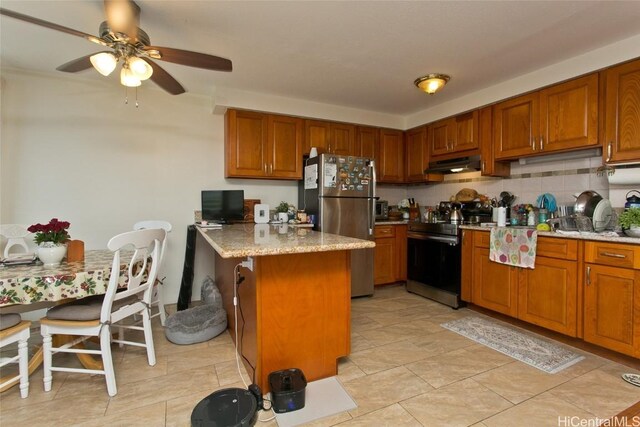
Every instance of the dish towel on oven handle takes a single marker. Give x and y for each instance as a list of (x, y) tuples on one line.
[(513, 246)]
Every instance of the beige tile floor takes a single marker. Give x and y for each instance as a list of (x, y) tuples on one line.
[(404, 370)]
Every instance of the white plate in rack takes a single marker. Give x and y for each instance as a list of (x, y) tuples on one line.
[(602, 215)]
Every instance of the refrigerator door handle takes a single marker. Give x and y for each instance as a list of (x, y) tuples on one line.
[(372, 200)]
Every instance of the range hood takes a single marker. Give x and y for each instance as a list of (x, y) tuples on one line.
[(460, 164)]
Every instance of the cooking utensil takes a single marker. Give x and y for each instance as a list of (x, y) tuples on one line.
[(586, 203), (456, 215)]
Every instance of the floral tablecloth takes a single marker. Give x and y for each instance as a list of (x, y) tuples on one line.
[(35, 283)]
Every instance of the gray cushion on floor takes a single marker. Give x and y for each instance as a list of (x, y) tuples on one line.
[(9, 320), (197, 324), (85, 308), (209, 293)]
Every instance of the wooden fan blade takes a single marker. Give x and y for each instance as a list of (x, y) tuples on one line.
[(52, 26), (123, 17), (76, 65), (192, 59), (164, 79)]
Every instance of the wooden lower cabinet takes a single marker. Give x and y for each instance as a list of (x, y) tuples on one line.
[(548, 295), (390, 254), (612, 308), (494, 286)]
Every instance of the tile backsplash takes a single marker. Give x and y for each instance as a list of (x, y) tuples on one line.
[(562, 178)]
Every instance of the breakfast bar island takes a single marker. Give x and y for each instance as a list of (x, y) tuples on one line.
[(293, 296)]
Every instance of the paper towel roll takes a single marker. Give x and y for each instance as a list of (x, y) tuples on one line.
[(502, 216), (625, 176)]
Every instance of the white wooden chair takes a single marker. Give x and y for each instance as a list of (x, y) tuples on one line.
[(94, 316), (158, 297), (13, 329)]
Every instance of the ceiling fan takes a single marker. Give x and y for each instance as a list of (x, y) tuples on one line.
[(131, 45)]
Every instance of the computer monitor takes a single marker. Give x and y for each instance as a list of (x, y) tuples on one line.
[(223, 206)]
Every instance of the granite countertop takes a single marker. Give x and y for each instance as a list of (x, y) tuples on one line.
[(241, 240), (571, 235)]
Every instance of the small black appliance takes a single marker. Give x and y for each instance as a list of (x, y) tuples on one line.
[(229, 407), (287, 390)]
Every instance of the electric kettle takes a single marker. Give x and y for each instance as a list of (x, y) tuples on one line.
[(633, 201)]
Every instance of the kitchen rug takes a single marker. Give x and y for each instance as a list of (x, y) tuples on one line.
[(521, 345), (322, 398)]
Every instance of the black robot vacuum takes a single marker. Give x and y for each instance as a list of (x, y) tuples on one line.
[(230, 407)]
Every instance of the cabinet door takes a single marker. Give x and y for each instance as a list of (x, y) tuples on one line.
[(285, 147), (495, 286), (612, 307), (515, 124), (246, 143), (569, 115), (384, 270), (417, 154), (317, 134), (368, 142), (548, 295), (622, 113), (466, 136), (391, 156), (343, 139), (442, 136), (489, 166)]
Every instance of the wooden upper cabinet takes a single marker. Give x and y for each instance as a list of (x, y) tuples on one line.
[(515, 123), (489, 166), (368, 142), (342, 139), (622, 113), (245, 144), (317, 134), (441, 136), (330, 137), (284, 146), (569, 115), (559, 118), (262, 145), (417, 154), (391, 161), (454, 135)]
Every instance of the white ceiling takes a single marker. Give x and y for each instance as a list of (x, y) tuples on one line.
[(353, 53)]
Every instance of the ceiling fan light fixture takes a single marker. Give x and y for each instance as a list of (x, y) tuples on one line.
[(128, 78), (140, 68), (431, 83), (104, 62)]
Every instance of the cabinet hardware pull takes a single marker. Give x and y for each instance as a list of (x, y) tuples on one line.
[(588, 275), (533, 143), (541, 143), (609, 151), (271, 169), (612, 255), (482, 171)]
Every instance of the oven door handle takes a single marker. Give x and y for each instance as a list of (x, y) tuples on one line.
[(434, 237)]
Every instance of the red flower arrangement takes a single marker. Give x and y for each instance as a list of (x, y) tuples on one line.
[(54, 232)]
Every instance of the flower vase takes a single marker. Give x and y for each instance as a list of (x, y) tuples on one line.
[(51, 254)]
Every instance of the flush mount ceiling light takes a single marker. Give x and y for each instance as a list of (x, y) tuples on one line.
[(431, 83)]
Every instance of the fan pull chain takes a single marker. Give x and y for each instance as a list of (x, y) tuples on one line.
[(126, 96), (136, 97)]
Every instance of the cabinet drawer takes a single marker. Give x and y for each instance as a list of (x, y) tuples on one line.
[(614, 254), (551, 247), (385, 231), (481, 239)]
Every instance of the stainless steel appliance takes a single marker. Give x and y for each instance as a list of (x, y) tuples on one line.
[(340, 192), (382, 209), (434, 253)]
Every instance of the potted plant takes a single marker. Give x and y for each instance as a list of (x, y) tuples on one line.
[(283, 210), (51, 239), (629, 220)]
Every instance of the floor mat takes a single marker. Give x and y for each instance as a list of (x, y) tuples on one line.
[(322, 398), (521, 345)]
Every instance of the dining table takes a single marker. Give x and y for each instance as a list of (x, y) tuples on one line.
[(34, 283)]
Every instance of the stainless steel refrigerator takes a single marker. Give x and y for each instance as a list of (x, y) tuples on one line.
[(340, 192)]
